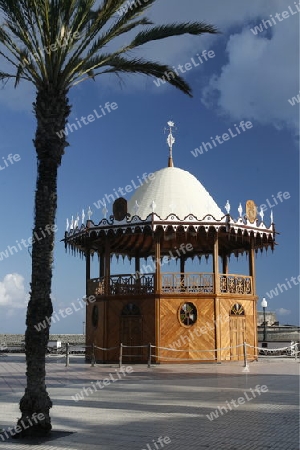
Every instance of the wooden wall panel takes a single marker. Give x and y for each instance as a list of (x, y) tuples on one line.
[(90, 332), (250, 336), (200, 336), (224, 328), (114, 310), (94, 335), (108, 333), (250, 325), (173, 334)]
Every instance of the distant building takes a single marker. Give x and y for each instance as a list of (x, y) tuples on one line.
[(276, 333), (270, 318)]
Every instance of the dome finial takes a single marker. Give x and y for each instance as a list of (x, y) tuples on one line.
[(170, 141)]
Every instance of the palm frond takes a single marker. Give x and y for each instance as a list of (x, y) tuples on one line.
[(82, 65), (36, 37), (176, 29), (119, 64), (20, 71), (101, 17), (6, 76)]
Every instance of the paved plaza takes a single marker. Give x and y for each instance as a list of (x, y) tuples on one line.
[(170, 407)]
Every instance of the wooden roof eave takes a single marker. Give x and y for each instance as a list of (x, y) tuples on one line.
[(231, 232)]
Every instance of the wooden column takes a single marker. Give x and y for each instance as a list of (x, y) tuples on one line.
[(216, 300), (157, 290), (157, 263), (182, 264), (101, 264), (137, 265), (107, 267), (137, 278), (252, 265), (107, 292), (225, 264), (87, 271), (216, 264), (87, 293)]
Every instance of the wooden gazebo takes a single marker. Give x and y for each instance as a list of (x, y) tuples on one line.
[(186, 315)]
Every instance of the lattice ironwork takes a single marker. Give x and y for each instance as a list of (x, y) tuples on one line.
[(187, 282), (96, 286), (235, 284), (129, 284), (122, 285), (171, 283)]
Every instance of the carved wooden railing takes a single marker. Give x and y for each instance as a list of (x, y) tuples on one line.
[(171, 283), (122, 285), (96, 286), (187, 282), (235, 284)]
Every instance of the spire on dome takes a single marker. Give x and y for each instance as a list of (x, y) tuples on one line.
[(171, 141)]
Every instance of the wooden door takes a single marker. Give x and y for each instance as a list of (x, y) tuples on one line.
[(131, 334), (237, 337)]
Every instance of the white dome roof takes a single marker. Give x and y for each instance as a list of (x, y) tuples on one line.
[(176, 191)]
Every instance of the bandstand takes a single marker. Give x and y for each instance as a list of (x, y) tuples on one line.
[(186, 315)]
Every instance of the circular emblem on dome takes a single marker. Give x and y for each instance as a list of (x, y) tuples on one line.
[(120, 209), (251, 211)]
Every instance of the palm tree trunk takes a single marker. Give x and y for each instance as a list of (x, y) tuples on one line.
[(51, 109)]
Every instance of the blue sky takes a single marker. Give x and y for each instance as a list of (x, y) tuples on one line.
[(251, 77)]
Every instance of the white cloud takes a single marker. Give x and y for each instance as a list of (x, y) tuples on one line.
[(13, 295), (276, 67), (223, 15), (261, 73), (260, 76), (283, 312)]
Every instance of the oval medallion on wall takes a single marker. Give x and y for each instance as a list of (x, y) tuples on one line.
[(187, 314), (95, 316)]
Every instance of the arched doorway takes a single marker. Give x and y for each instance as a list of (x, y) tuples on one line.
[(237, 326), (131, 333)]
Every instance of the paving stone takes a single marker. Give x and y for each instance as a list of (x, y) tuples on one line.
[(133, 411)]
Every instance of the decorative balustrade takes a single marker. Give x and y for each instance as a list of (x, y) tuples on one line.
[(129, 284), (96, 286), (171, 283), (188, 282), (235, 284), (122, 285)]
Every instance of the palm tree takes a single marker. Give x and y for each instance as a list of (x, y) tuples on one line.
[(56, 44)]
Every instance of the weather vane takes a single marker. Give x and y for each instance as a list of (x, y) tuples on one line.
[(170, 141)]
